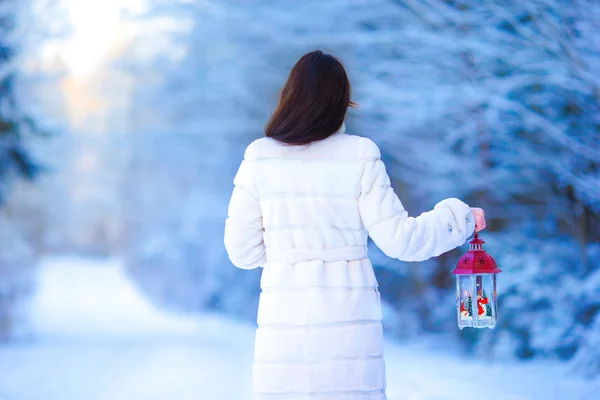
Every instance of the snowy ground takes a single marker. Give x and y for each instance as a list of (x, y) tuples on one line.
[(98, 339)]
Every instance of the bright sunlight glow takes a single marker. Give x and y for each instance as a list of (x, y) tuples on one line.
[(94, 31)]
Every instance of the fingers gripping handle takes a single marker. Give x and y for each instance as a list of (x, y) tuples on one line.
[(479, 216)]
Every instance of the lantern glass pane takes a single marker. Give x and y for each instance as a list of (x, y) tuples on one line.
[(486, 304), (464, 290)]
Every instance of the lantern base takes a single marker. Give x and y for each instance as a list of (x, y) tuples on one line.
[(482, 321), (481, 318), (461, 327)]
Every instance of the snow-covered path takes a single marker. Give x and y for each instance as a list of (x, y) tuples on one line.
[(98, 339)]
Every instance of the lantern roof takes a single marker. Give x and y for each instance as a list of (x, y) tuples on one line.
[(476, 260), (476, 240)]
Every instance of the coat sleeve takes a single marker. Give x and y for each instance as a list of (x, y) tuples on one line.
[(244, 227), (399, 236)]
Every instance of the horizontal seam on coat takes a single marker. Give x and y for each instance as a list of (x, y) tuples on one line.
[(316, 248), (314, 259), (284, 289), (358, 159), (291, 395), (324, 325), (315, 227), (300, 196), (300, 362)]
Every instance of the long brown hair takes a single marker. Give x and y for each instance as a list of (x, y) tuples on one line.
[(313, 101)]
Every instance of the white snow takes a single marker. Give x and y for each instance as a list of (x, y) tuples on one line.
[(96, 338)]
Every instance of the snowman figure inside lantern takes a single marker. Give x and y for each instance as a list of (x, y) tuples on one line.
[(476, 287)]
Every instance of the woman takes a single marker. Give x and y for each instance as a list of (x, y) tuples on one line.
[(306, 198)]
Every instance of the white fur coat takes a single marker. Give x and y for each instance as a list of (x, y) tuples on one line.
[(303, 213)]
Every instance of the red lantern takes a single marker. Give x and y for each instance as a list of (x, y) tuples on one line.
[(476, 303)]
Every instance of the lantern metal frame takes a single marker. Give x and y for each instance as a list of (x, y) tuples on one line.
[(475, 272)]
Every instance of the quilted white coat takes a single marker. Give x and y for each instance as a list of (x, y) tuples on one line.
[(303, 213)]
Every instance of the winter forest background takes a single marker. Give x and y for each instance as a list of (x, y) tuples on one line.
[(122, 124)]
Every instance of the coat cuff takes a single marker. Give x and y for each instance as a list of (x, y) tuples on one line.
[(463, 216)]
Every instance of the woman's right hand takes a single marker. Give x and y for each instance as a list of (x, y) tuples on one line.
[(479, 218)]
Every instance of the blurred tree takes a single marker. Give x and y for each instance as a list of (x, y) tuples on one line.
[(15, 124), (16, 257)]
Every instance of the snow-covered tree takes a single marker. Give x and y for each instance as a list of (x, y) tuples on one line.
[(15, 124), (496, 103), (16, 162)]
